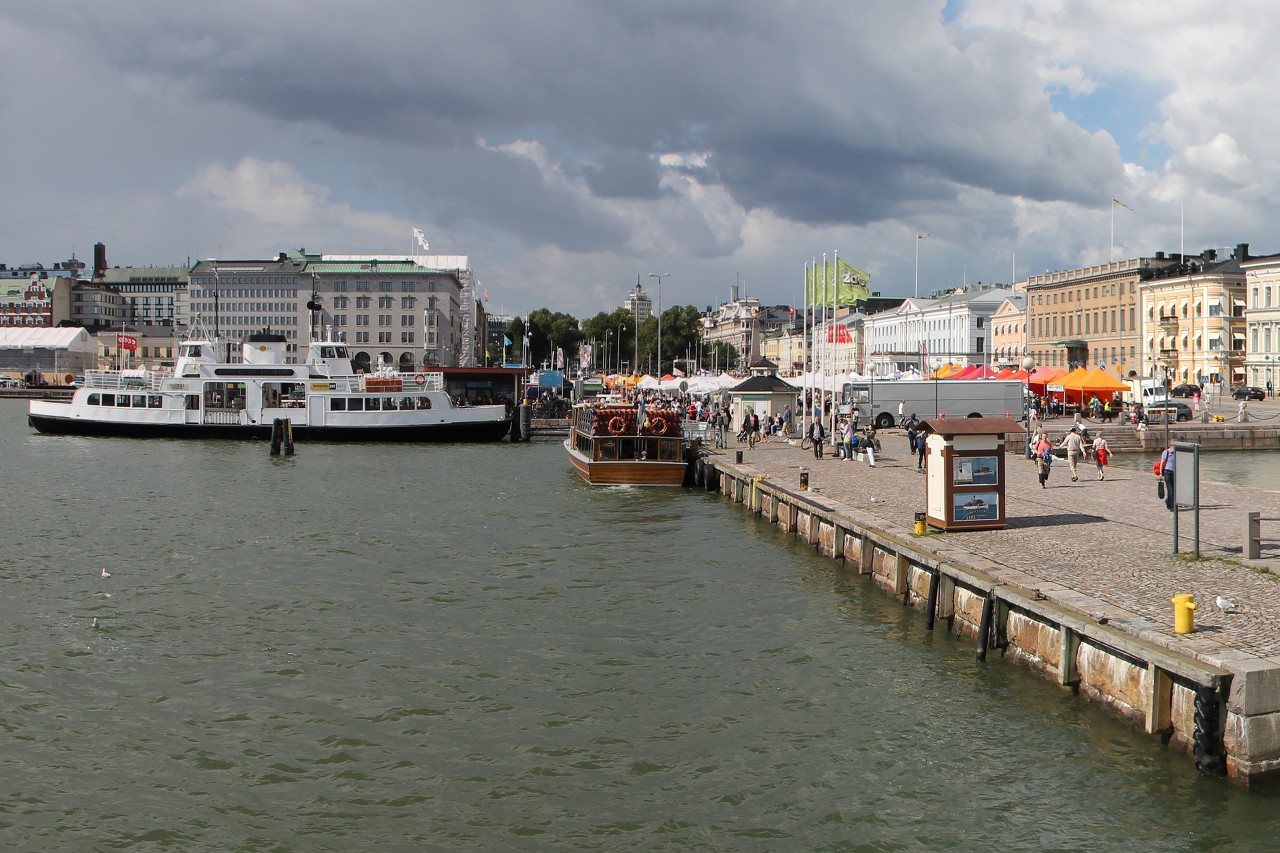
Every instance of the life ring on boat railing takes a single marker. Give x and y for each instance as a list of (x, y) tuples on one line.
[(658, 426), (421, 379), (617, 426)]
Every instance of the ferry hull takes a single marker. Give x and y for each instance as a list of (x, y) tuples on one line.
[(484, 431)]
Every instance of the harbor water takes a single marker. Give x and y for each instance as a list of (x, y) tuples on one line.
[(460, 647)]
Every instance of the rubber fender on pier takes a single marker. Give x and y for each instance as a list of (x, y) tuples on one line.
[(710, 476), (1206, 738), (699, 471)]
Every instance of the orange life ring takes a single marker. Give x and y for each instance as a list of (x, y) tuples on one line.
[(658, 426), (421, 379), (617, 425)]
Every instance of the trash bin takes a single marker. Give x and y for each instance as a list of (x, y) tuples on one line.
[(1184, 613), (920, 523)]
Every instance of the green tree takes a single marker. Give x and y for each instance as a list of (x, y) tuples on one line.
[(549, 331), (515, 331), (619, 329)]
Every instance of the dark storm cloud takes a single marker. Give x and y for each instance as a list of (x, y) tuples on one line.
[(843, 123)]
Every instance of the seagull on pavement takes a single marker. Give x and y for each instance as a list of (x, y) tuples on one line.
[(105, 573), (1224, 605)]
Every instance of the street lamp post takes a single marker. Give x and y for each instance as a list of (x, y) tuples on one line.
[(607, 332), (659, 276), (621, 326), (1029, 365), (919, 237)]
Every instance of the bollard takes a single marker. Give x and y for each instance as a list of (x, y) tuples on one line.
[(804, 479), (1252, 535), (1184, 613), (737, 456), (919, 523)]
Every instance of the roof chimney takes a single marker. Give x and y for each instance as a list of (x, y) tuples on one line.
[(1242, 252)]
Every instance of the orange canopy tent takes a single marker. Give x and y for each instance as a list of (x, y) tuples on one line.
[(1095, 382), (1017, 374), (946, 371), (1045, 375), (1004, 373)]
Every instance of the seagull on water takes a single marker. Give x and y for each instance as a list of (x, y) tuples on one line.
[(95, 622), (105, 573), (1224, 605)]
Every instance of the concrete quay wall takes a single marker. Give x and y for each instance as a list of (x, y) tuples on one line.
[(1127, 663)]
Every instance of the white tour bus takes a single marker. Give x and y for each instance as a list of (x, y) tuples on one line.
[(878, 400)]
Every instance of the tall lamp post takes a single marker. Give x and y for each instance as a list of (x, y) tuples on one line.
[(607, 333), (659, 276), (621, 326), (919, 237), (1029, 365)]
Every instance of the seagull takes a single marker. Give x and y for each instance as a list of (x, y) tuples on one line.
[(1224, 605), (106, 574), (95, 622)]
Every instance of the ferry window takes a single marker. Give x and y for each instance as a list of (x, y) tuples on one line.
[(628, 449), (154, 402), (669, 451), (122, 401), (139, 401), (94, 400), (607, 450), (407, 403), (337, 404), (108, 399), (193, 402), (193, 351), (355, 404), (327, 352), (424, 402)]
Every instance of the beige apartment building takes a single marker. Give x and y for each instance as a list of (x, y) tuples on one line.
[(1262, 323), (1091, 316), (1009, 334), (1194, 325)]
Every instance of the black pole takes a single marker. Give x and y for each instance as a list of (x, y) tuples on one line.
[(935, 578), (984, 628)]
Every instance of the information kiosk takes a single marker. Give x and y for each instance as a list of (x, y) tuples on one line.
[(965, 472)]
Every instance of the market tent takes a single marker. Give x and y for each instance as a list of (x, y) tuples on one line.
[(946, 371), (965, 373), (1045, 375), (1017, 374), (1005, 373), (981, 372), (647, 383), (1097, 381)]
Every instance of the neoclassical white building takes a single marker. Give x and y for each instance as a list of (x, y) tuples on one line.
[(1262, 323), (925, 333)]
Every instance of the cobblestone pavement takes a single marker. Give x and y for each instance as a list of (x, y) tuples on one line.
[(1107, 540)]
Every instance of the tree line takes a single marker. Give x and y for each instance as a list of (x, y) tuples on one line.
[(635, 348)]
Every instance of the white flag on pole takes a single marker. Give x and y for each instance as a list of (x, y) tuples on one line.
[(421, 237)]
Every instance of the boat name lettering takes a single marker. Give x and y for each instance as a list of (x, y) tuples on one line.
[(324, 386)]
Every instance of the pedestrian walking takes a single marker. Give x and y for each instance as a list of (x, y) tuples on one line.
[(921, 443), (816, 435), (846, 438), (1101, 454), (1164, 468), (1075, 451), (902, 408), (869, 444), (1044, 458)]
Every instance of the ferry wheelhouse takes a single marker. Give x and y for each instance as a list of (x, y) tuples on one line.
[(322, 398), (617, 445)]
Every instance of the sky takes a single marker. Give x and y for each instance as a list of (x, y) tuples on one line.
[(569, 147)]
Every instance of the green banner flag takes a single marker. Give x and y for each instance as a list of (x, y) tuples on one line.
[(853, 284)]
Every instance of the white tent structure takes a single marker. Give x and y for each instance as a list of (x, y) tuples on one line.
[(52, 352)]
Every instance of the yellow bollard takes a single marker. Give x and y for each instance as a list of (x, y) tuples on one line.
[(1184, 613), (920, 523)]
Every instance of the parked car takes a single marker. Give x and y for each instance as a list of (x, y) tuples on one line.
[(1186, 389), (1163, 411), (1249, 392), (10, 382)]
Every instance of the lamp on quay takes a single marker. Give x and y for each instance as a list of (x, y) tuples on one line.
[(1028, 364), (659, 276)]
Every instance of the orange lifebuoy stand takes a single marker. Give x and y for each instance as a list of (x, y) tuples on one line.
[(421, 379)]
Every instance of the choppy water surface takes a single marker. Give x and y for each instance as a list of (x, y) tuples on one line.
[(451, 647)]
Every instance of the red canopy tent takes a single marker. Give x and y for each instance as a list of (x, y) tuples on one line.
[(981, 372), (967, 372)]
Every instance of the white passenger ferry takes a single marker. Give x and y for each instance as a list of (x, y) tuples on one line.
[(323, 398)]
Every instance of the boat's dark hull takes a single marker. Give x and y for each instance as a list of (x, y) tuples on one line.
[(469, 432)]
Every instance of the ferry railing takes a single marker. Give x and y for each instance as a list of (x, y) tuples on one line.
[(115, 380), (222, 417)]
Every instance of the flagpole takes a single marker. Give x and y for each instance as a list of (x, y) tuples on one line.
[(805, 367)]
